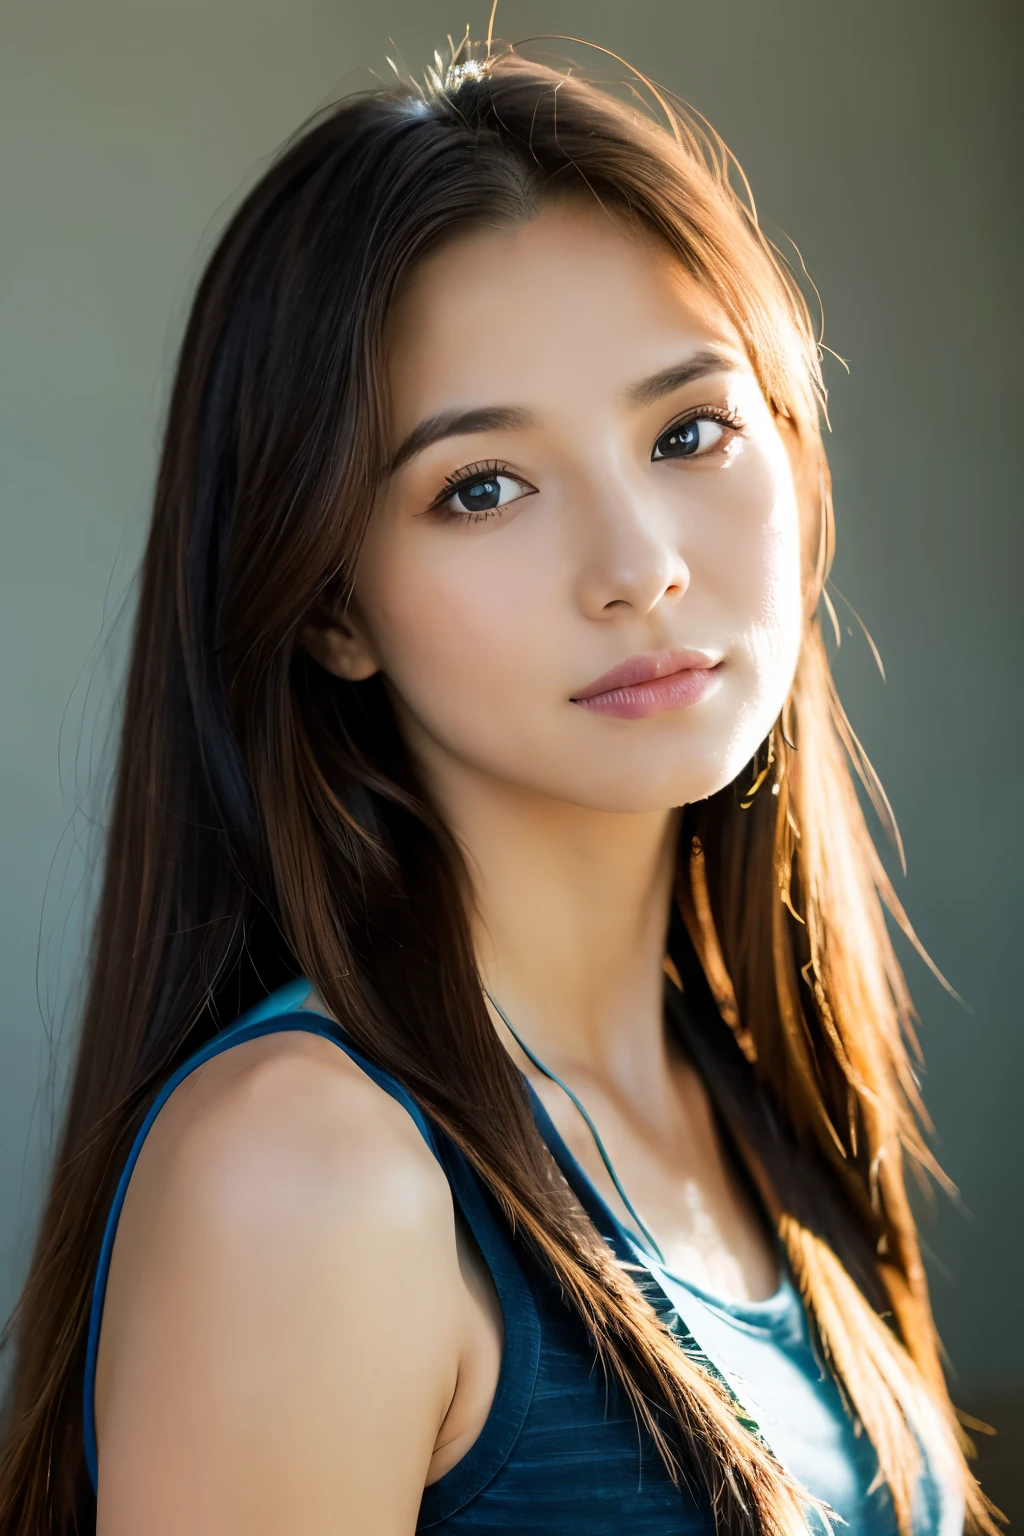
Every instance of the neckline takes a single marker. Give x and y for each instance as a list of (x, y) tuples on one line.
[(767, 1313)]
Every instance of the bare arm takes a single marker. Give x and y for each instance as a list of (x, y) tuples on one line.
[(281, 1334)]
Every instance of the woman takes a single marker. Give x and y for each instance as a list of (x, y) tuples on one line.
[(492, 1100)]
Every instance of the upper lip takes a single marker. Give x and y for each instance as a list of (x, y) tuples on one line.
[(646, 667)]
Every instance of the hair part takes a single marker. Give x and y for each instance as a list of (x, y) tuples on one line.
[(266, 818)]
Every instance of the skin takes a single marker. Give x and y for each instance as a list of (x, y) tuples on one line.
[(259, 1371)]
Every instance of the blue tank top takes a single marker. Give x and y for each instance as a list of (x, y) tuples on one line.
[(560, 1452)]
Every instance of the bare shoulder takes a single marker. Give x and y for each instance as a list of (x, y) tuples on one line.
[(261, 1325), (281, 1126)]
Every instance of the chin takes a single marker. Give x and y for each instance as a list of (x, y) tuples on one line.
[(638, 794), (695, 771)]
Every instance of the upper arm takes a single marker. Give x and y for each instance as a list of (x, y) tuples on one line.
[(280, 1331)]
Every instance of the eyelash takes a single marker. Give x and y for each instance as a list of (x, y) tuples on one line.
[(725, 417), (466, 476), (471, 472)]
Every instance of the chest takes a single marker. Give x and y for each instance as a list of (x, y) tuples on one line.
[(680, 1175)]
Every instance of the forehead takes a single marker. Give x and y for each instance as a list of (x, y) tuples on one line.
[(573, 299)]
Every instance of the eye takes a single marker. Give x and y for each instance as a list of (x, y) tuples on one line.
[(480, 491), (688, 439), (484, 494)]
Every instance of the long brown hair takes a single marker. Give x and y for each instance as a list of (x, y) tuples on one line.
[(266, 819)]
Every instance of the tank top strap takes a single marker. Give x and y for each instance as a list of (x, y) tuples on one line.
[(283, 1011)]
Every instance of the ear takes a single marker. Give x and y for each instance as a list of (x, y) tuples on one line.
[(340, 644)]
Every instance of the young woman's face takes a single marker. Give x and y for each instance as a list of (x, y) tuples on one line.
[(586, 478)]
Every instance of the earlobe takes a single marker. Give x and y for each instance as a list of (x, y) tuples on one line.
[(340, 649)]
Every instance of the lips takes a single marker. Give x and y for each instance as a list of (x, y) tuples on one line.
[(644, 669), (653, 684)]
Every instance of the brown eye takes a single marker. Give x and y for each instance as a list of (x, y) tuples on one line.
[(689, 438)]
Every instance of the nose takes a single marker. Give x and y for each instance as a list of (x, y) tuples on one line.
[(630, 556)]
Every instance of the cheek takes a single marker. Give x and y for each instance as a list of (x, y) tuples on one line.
[(456, 631), (766, 577), (777, 611)]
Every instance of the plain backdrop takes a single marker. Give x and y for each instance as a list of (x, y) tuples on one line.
[(883, 136)]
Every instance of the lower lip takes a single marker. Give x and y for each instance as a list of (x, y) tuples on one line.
[(675, 691)]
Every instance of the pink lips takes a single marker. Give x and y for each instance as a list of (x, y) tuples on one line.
[(651, 684)]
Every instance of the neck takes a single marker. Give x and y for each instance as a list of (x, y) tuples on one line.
[(571, 912)]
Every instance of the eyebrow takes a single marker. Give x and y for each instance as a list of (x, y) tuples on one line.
[(434, 429), (514, 418), (647, 391)]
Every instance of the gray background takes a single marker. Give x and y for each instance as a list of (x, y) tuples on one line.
[(880, 135)]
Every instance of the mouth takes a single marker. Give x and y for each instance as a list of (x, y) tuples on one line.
[(652, 683)]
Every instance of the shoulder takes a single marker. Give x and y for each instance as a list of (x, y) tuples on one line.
[(284, 1137), (283, 1126), (287, 1259)]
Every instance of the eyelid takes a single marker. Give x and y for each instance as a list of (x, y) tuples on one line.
[(470, 472), (726, 416)]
